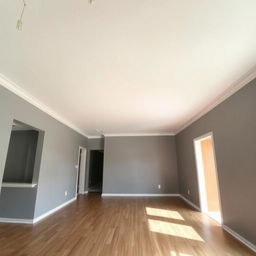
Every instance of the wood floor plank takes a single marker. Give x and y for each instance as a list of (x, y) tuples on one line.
[(96, 226)]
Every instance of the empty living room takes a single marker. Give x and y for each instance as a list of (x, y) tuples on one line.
[(127, 128)]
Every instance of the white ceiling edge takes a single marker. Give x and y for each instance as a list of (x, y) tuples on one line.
[(137, 134), (11, 86), (239, 84)]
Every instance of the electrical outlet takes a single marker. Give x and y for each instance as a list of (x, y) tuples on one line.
[(188, 192), (66, 193), (159, 186)]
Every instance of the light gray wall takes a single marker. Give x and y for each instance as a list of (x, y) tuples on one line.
[(233, 124), (17, 203), (59, 155), (95, 144), (136, 165)]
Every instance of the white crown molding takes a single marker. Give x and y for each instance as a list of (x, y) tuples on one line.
[(240, 238), (140, 195), (240, 83), (95, 137), (11, 86), (137, 134)]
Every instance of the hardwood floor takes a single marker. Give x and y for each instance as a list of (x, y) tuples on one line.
[(121, 226)]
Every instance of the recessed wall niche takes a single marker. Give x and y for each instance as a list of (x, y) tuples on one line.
[(24, 154)]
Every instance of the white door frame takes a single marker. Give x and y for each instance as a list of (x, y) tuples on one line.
[(200, 173), (81, 170)]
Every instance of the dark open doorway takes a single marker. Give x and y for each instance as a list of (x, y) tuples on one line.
[(96, 171)]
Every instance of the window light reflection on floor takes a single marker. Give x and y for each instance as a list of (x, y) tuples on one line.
[(173, 229), (163, 213), (173, 253)]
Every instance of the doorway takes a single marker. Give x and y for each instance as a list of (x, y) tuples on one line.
[(80, 184), (208, 177), (96, 171)]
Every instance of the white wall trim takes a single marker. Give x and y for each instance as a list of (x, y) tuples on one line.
[(240, 238), (141, 195), (190, 203), (83, 193), (18, 185), (137, 134), (236, 86), (35, 220), (229, 230), (11, 86), (81, 169), (95, 136), (17, 221)]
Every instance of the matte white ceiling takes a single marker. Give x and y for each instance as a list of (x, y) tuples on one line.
[(126, 66)]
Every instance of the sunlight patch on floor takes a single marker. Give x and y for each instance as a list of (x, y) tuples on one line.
[(163, 213), (173, 229), (173, 253)]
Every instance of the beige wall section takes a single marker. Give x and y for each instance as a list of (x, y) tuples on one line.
[(210, 175)]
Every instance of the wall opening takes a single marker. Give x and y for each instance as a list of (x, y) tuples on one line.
[(24, 154), (96, 171), (21, 172), (208, 177)]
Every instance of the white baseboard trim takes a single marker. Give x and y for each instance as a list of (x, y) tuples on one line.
[(229, 230), (17, 221), (190, 203), (140, 195), (83, 193), (240, 238), (35, 220)]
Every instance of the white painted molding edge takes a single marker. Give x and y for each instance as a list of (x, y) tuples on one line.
[(17, 221), (83, 193), (229, 230), (41, 217), (190, 203), (35, 220), (142, 195), (236, 86), (240, 238), (18, 185), (137, 134), (11, 86), (95, 136)]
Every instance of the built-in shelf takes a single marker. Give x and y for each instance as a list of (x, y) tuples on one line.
[(18, 185)]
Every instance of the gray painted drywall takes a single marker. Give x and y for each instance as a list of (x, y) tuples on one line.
[(38, 157), (95, 144), (17, 203), (233, 124), (136, 165), (59, 154)]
